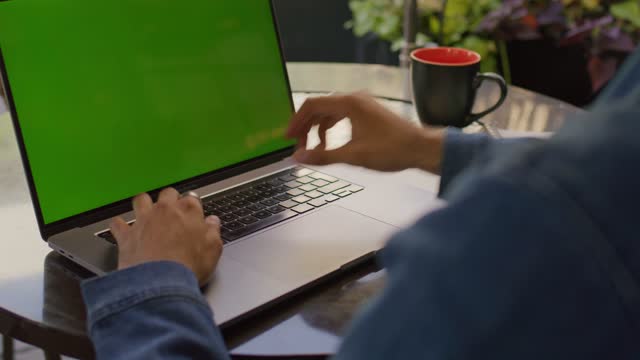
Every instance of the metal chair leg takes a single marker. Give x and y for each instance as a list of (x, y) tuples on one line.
[(51, 356), (7, 348), (410, 28)]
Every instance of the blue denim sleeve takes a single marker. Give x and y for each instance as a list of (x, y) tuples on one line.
[(535, 257), (461, 150), (151, 311), (624, 83)]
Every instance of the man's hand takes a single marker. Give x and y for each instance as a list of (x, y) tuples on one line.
[(173, 229), (381, 140)]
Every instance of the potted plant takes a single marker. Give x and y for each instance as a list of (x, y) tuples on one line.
[(582, 42), (447, 23)]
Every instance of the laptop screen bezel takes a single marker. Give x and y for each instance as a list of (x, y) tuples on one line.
[(123, 206)]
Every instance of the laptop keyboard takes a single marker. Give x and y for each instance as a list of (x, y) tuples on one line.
[(267, 201)]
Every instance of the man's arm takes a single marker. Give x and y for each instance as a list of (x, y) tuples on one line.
[(151, 311), (534, 258), (152, 307), (383, 141), (462, 150), (624, 83)]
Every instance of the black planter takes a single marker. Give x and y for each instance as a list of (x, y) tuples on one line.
[(544, 67)]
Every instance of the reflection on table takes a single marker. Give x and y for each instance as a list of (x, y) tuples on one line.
[(523, 110)]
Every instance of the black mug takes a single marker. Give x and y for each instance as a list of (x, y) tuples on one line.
[(445, 82)]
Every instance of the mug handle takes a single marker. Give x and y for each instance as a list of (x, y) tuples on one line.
[(480, 78)]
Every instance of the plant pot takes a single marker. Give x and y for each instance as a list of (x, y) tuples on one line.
[(544, 67)]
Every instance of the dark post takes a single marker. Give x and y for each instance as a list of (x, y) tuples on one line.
[(7, 348), (410, 31)]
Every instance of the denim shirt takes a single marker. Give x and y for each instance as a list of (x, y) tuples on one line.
[(536, 256)]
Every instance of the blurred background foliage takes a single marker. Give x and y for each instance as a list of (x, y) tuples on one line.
[(460, 18), (605, 29)]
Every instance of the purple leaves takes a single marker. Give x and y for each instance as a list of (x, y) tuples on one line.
[(603, 28), (510, 21), (568, 24)]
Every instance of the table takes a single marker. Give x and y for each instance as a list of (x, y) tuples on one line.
[(40, 301)]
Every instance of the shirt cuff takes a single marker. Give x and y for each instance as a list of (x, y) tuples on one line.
[(460, 149), (121, 290)]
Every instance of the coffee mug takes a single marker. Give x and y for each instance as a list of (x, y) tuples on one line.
[(445, 82)]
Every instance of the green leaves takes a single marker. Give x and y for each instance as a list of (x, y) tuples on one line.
[(486, 48), (461, 17), (382, 17), (628, 10)]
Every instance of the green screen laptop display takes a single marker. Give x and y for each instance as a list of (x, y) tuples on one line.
[(119, 97)]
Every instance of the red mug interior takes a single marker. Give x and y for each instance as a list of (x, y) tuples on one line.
[(446, 56)]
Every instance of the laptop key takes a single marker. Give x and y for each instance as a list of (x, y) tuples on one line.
[(320, 183), (230, 236), (333, 187), (343, 193), (227, 209), (295, 192), (268, 194), (287, 178), (208, 200), (254, 199), (209, 208), (262, 214), (241, 203), (314, 194), (215, 212), (235, 197), (331, 198), (248, 193), (255, 207), (275, 182), (277, 209), (283, 197), (307, 187), (262, 187), (224, 232), (302, 208), (270, 202), (288, 204), (222, 202), (317, 202), (233, 225), (355, 188), (248, 220), (243, 212), (301, 199), (293, 184), (228, 217), (324, 177), (305, 180)]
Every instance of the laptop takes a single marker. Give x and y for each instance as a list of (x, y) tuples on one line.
[(110, 99)]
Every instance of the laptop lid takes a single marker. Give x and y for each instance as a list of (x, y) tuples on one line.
[(114, 98)]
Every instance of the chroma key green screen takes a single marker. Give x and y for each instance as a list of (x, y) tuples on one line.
[(119, 97)]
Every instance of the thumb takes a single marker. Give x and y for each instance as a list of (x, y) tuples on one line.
[(319, 156), (119, 228)]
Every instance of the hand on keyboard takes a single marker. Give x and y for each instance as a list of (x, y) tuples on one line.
[(172, 229)]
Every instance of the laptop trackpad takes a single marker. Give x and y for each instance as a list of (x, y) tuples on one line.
[(311, 246)]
